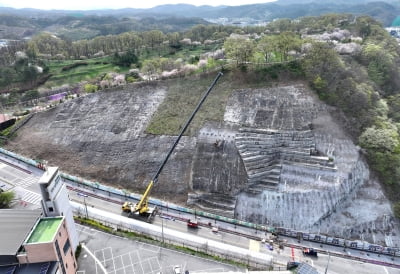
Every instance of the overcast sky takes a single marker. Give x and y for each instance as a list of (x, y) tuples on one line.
[(116, 4)]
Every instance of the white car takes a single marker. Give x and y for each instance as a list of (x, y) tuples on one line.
[(177, 269)]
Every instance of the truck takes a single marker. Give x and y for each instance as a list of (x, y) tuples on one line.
[(142, 210)]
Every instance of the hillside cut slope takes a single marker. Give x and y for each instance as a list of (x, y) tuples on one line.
[(277, 158)]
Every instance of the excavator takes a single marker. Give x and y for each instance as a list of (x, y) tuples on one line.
[(142, 210)]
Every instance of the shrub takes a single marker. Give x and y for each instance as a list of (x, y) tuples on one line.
[(396, 209), (6, 199), (90, 88), (78, 251)]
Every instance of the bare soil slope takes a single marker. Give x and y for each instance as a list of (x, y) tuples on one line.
[(276, 157)]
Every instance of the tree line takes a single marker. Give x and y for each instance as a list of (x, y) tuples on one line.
[(364, 84)]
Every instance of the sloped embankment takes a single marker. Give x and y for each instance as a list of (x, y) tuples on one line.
[(277, 157)]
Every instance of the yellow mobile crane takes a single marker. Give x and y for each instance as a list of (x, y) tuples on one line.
[(142, 209)]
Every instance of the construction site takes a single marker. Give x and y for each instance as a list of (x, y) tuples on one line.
[(278, 158)]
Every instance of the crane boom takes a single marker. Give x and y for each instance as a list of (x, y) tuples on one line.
[(155, 177), (142, 205)]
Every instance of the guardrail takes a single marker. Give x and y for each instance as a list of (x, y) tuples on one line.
[(322, 239), (165, 235)]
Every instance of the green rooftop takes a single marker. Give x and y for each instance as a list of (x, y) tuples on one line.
[(396, 22), (45, 230)]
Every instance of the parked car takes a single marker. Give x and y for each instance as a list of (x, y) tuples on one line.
[(310, 252), (192, 223), (292, 265), (177, 269)]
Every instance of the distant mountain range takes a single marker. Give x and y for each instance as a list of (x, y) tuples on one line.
[(385, 11), (182, 16)]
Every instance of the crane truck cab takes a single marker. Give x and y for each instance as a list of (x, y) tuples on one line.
[(141, 210), (147, 216), (127, 207)]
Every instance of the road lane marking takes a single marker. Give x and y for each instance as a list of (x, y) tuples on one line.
[(387, 272)]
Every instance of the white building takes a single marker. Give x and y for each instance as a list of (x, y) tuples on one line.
[(55, 201)]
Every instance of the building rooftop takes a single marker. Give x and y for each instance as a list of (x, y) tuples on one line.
[(50, 173), (15, 226), (45, 230), (32, 268)]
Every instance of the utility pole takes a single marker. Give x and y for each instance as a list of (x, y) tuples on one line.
[(84, 203), (327, 265), (162, 229)]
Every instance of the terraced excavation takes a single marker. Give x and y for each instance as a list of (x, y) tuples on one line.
[(277, 157)]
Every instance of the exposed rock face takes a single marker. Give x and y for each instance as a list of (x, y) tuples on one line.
[(218, 173), (302, 171), (277, 159), (281, 108), (101, 136)]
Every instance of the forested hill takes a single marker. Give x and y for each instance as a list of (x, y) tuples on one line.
[(347, 2), (351, 62), (76, 25)]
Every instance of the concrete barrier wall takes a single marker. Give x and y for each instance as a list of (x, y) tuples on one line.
[(226, 251), (27, 164)]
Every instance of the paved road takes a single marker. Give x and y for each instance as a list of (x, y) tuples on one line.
[(120, 255), (24, 183), (336, 264)]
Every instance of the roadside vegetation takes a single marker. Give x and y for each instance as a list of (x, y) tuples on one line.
[(146, 239), (6, 198), (351, 62)]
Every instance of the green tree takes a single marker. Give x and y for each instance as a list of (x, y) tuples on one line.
[(32, 50), (153, 38), (8, 75), (30, 74), (151, 67), (286, 42), (239, 48), (387, 165), (90, 88), (281, 25), (319, 84), (47, 43), (380, 139), (324, 68), (394, 107), (379, 63), (125, 59), (6, 198), (266, 46), (396, 209), (29, 95)]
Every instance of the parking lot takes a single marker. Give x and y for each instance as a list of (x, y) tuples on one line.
[(122, 256)]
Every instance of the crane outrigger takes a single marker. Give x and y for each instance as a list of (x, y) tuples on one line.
[(142, 209)]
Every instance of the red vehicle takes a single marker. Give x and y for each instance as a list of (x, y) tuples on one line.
[(310, 252), (192, 224)]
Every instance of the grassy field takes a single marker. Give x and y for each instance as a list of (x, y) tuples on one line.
[(185, 93), (99, 66), (95, 68), (185, 52)]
